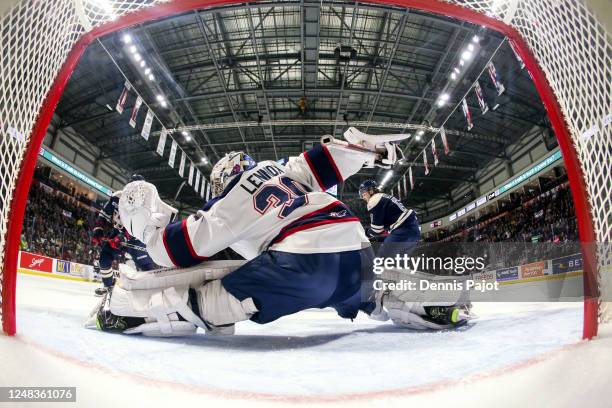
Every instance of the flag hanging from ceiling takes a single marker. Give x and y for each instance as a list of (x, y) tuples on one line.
[(146, 128), (434, 151), (135, 110), (202, 187), (444, 140), (183, 161), (480, 96), (123, 97), (411, 178), (495, 79), (405, 185), (172, 153), (161, 144), (197, 181), (207, 195), (467, 114), (425, 162), (191, 170)]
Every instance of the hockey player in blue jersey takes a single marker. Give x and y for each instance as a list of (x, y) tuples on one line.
[(389, 216), (116, 243), (304, 249)]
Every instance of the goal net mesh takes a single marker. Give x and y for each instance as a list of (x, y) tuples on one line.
[(570, 45)]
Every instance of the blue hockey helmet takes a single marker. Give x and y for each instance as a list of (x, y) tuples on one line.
[(136, 177), (367, 186)]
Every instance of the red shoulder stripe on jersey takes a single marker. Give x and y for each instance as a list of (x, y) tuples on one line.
[(168, 248), (314, 171), (188, 242), (332, 162)]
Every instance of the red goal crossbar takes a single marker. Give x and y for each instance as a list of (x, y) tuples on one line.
[(574, 171)]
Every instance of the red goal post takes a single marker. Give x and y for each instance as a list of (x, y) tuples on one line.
[(566, 50)]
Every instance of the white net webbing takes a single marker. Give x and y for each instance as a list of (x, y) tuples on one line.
[(570, 45)]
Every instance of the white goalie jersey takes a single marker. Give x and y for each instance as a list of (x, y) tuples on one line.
[(272, 206)]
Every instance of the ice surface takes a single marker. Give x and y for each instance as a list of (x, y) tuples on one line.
[(311, 355)]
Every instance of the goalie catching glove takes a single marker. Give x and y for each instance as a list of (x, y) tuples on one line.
[(387, 153), (141, 210)]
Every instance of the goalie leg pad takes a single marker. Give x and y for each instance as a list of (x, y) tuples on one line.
[(160, 308), (219, 307)]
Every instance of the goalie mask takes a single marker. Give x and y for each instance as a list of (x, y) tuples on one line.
[(224, 171)]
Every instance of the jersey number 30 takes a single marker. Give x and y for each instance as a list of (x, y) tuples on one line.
[(288, 195)]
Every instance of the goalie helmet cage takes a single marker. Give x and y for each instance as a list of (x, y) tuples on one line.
[(565, 48)]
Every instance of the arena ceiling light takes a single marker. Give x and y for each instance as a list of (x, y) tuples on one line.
[(127, 39), (143, 63), (475, 39), (443, 99), (133, 49), (151, 77), (466, 55), (137, 56), (204, 160)]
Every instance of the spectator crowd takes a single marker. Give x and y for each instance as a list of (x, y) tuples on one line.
[(526, 217), (58, 225)]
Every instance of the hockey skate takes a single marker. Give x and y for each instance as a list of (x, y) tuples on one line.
[(101, 291)]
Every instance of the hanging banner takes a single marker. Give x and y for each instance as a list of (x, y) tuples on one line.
[(135, 111), (433, 151), (425, 162), (123, 97), (405, 184), (191, 169), (207, 194), (411, 178), (518, 57), (467, 114), (161, 144), (146, 128), (495, 79), (182, 165), (203, 187), (444, 140), (480, 96), (172, 153), (197, 180)]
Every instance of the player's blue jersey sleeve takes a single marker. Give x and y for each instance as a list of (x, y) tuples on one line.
[(377, 206), (387, 212)]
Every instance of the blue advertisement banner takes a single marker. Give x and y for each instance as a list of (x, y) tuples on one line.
[(507, 274), (62, 266), (570, 263)]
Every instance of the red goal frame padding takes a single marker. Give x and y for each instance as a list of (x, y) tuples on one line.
[(575, 174)]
